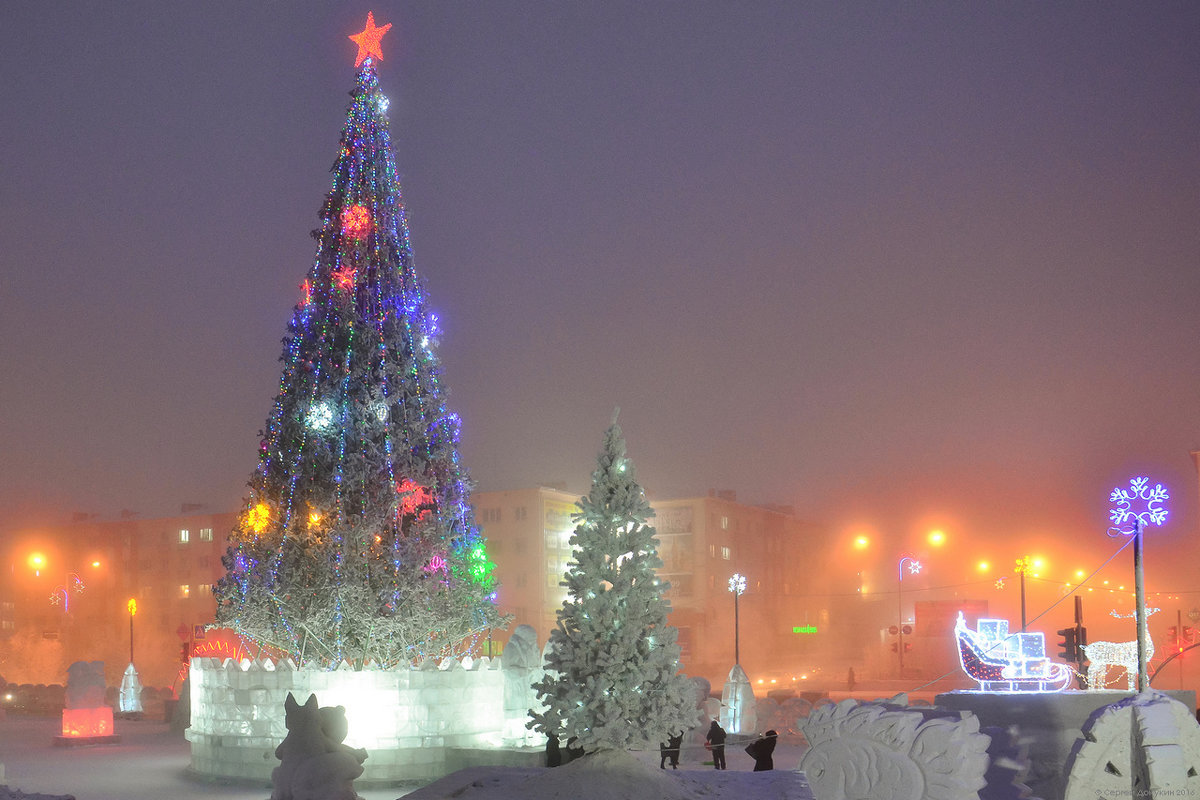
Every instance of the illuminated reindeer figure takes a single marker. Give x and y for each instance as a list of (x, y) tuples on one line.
[(1103, 655)]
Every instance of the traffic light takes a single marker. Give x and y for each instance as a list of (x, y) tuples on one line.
[(1187, 635), (894, 648), (1172, 636), (1069, 644)]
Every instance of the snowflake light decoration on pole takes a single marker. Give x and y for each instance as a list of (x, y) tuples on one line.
[(1139, 504)]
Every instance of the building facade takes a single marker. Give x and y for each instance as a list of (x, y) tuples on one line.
[(68, 591), (786, 621), (783, 624)]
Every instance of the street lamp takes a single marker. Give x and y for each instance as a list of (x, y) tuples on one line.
[(914, 567), (1136, 507), (1023, 564), (132, 606), (737, 585)]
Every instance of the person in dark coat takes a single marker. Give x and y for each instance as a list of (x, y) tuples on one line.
[(761, 750), (553, 754), (716, 739), (669, 750)]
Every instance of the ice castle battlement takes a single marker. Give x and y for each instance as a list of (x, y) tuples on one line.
[(415, 722)]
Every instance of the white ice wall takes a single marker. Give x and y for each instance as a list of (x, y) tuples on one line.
[(407, 719)]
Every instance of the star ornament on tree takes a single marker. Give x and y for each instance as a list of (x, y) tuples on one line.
[(368, 40)]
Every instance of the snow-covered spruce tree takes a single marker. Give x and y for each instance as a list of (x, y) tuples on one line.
[(613, 663), (357, 541)]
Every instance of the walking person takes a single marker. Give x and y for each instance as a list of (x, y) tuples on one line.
[(761, 750), (716, 739), (674, 743)]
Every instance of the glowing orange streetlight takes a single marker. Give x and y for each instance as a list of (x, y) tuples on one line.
[(861, 543), (132, 606), (37, 562), (936, 538)]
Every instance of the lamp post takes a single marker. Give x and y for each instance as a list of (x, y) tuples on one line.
[(737, 585), (914, 567), (1023, 565), (132, 606), (1136, 507)]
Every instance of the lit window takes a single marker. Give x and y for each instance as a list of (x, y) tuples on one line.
[(184, 535), (712, 551), (725, 553), (185, 590), (206, 534), (724, 523), (205, 588)]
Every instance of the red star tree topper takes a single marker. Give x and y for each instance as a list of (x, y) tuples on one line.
[(368, 40)]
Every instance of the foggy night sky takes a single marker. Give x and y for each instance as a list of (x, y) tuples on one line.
[(893, 264)]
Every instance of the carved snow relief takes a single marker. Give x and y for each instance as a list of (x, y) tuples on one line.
[(1144, 746), (882, 751)]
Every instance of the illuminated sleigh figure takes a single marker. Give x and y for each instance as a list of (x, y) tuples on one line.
[(1008, 662)]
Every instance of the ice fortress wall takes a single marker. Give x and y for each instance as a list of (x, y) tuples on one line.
[(417, 724)]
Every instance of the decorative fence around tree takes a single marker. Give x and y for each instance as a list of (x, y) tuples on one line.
[(417, 724)]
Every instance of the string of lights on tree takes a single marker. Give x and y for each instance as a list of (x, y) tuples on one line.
[(358, 541)]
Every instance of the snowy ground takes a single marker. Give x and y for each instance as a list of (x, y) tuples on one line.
[(150, 763), (623, 776)]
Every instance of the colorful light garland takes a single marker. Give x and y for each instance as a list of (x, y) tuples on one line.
[(359, 443)]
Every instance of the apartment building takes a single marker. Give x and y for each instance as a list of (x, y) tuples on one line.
[(703, 542), (68, 591), (791, 605)]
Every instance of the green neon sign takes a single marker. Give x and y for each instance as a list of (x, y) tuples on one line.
[(804, 629)]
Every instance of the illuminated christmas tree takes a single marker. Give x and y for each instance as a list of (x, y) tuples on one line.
[(357, 541), (612, 666)]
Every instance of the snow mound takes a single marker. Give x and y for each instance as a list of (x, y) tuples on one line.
[(607, 775), (16, 794), (614, 775)]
